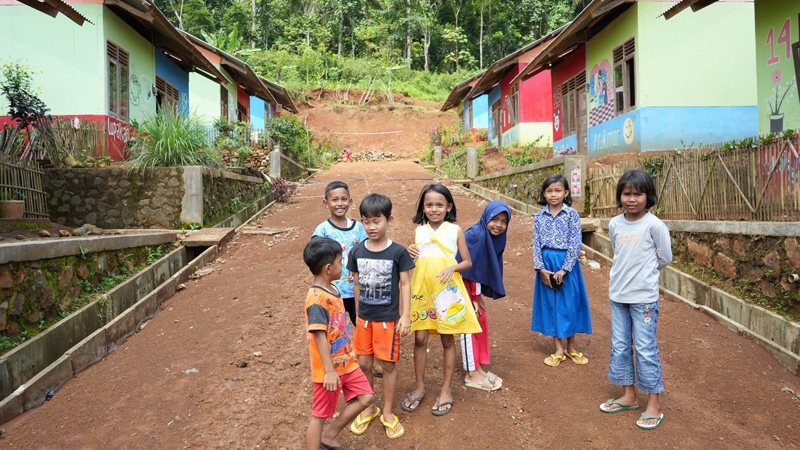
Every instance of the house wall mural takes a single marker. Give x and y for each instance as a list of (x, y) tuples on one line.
[(777, 41), (655, 85), (606, 122)]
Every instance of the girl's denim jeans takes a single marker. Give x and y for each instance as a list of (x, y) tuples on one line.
[(635, 324)]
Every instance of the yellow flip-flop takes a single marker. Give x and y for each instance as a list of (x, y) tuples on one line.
[(391, 429), (578, 358), (554, 361), (360, 425)]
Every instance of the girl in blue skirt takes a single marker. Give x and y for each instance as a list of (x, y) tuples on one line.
[(560, 303)]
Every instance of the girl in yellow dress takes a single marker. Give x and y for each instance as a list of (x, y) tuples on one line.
[(439, 301)]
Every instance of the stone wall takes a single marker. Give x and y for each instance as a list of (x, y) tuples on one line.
[(165, 197), (218, 195), (757, 266), (35, 294), (115, 197), (524, 183)]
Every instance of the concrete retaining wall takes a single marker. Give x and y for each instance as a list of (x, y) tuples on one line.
[(84, 338)]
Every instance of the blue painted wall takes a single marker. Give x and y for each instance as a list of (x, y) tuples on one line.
[(659, 128), (494, 95), (257, 119), (566, 146), (663, 128), (174, 75), (480, 111)]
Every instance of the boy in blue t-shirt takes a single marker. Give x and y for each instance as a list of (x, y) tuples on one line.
[(346, 232)]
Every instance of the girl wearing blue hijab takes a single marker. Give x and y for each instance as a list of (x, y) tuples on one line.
[(486, 241)]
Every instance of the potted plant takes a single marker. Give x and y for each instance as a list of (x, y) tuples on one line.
[(12, 205)]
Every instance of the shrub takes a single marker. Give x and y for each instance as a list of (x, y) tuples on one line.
[(169, 139), (295, 139), (283, 188)]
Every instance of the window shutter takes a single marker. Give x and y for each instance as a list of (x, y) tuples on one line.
[(619, 54), (630, 46)]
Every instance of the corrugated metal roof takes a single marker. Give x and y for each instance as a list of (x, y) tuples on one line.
[(53, 7), (457, 94)]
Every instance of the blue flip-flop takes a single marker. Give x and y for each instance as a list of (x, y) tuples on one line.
[(622, 406), (659, 417)]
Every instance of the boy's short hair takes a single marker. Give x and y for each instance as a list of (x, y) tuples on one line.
[(321, 251), (374, 205), (642, 182), (336, 185)]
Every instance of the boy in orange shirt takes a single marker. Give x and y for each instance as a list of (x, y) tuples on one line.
[(334, 366)]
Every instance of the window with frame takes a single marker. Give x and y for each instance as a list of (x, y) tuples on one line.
[(223, 103), (625, 77), (569, 104), (514, 116), (118, 70), (167, 95), (241, 112)]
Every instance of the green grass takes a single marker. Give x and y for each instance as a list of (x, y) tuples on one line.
[(169, 139)]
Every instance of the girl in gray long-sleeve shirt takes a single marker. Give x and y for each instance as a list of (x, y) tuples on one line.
[(642, 248)]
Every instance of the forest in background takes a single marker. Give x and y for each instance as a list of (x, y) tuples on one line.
[(420, 47)]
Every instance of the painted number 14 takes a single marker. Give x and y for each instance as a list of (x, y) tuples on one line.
[(783, 39)]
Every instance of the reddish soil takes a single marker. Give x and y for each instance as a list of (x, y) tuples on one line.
[(402, 129), (241, 329)]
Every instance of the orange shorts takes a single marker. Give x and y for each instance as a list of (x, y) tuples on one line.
[(381, 339)]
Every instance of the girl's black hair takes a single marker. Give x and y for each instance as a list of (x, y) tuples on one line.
[(420, 218), (555, 178), (642, 182)]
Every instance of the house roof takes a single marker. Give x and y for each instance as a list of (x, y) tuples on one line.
[(495, 72), (239, 70), (281, 95), (696, 5), (53, 7), (595, 17), (149, 21), (459, 92)]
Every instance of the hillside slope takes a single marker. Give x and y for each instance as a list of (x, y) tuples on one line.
[(402, 127)]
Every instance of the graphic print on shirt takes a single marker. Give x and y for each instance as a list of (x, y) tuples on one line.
[(449, 304), (339, 336), (375, 281)]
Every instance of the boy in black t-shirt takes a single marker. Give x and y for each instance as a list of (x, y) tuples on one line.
[(382, 286)]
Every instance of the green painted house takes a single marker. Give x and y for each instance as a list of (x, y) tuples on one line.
[(625, 80), (776, 59), (120, 67)]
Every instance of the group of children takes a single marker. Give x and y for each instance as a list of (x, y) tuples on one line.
[(437, 285)]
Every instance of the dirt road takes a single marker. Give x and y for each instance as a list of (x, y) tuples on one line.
[(225, 365)]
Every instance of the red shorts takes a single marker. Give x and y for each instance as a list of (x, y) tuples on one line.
[(352, 385), (381, 339)]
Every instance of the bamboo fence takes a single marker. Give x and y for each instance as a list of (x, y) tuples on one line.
[(24, 183), (759, 183)]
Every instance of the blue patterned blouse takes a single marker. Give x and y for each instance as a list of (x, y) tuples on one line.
[(562, 232)]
